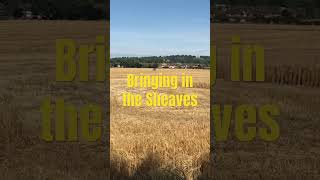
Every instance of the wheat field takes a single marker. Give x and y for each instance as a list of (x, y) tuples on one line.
[(27, 60), (167, 143), (295, 154), (179, 136)]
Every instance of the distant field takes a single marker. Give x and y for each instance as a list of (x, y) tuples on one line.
[(284, 44)]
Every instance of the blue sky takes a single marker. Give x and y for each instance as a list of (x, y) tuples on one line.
[(160, 27)]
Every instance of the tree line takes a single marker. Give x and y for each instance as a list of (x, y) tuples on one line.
[(60, 9), (156, 61), (288, 3)]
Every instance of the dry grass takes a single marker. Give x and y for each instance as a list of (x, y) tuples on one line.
[(294, 75)]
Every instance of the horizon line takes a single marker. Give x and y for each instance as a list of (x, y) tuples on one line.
[(142, 56)]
